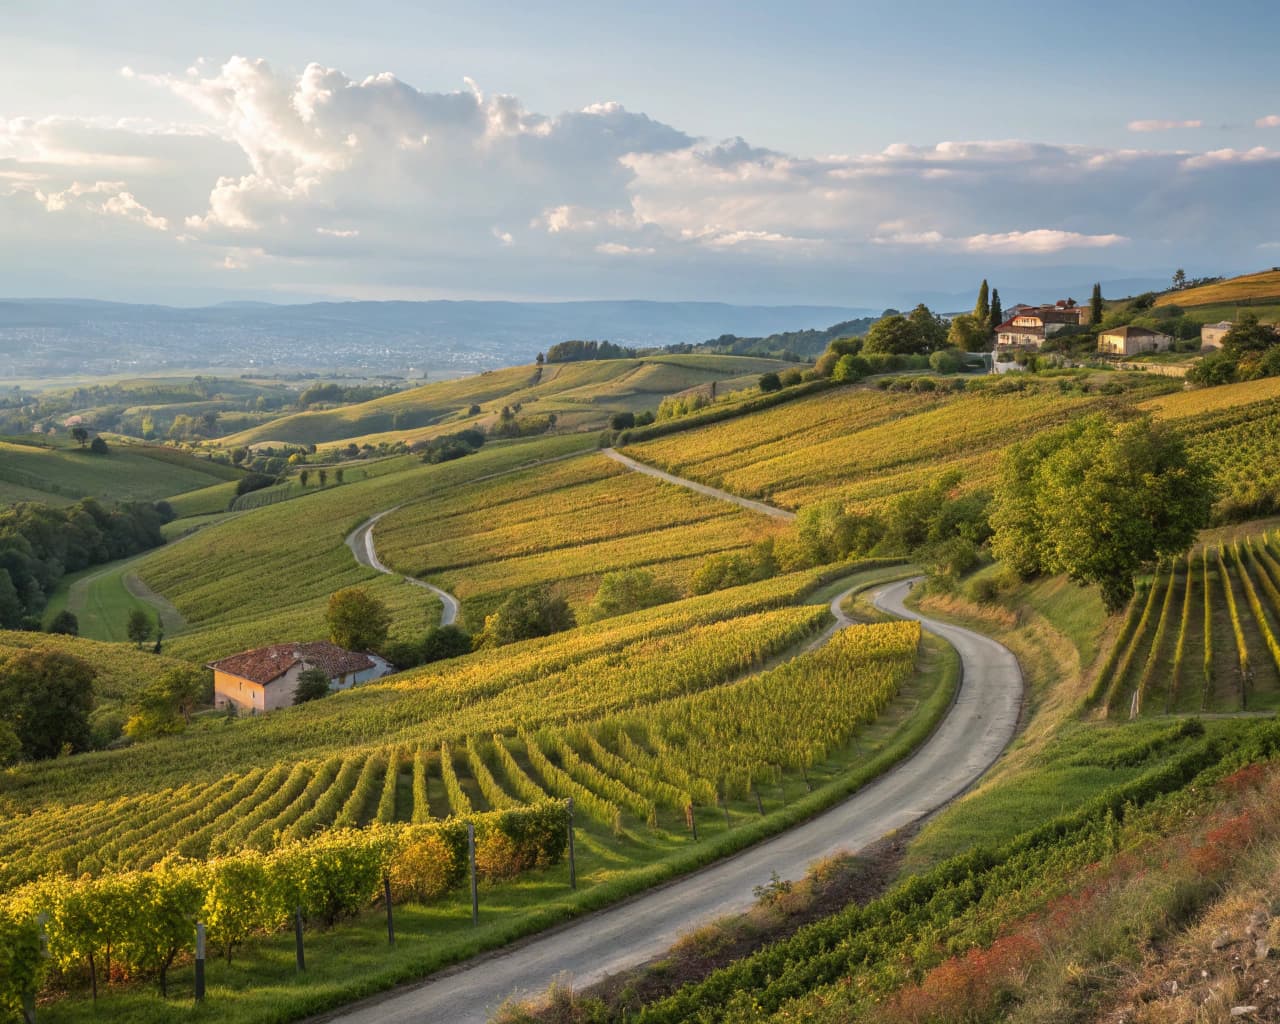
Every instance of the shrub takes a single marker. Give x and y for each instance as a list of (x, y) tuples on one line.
[(498, 857), (422, 869)]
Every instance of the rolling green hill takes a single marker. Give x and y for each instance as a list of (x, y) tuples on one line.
[(582, 395), (61, 472), (687, 729)]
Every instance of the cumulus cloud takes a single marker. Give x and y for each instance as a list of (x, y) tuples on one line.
[(324, 180), (1270, 121), (1162, 126)]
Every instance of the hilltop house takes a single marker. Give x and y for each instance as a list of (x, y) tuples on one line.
[(1129, 341), (266, 678), (1211, 335), (1029, 326)]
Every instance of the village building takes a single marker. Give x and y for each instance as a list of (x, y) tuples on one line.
[(1130, 341), (1029, 326), (1211, 335), (266, 678)]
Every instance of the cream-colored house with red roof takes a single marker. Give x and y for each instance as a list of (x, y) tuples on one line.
[(266, 678)]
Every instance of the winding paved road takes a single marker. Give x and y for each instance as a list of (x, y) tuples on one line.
[(762, 507), (968, 740), (360, 541)]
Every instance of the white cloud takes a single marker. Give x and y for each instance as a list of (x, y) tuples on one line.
[(619, 249), (1038, 240), (123, 204), (1270, 121), (1162, 126), (270, 171), (1218, 157)]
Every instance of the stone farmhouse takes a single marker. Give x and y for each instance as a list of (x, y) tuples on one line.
[(1211, 335), (266, 678), (1130, 341), (1029, 326)]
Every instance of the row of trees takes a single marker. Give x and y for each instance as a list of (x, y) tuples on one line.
[(579, 351), (40, 543)]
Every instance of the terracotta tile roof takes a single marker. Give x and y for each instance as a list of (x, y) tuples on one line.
[(270, 663)]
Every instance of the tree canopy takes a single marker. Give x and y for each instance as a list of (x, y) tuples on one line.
[(969, 333), (1099, 501), (919, 333), (357, 620), (313, 683), (1248, 335), (529, 612), (628, 591), (45, 700)]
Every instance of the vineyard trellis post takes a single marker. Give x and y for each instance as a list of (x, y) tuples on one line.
[(199, 961), (759, 803), (297, 940), (471, 858), (386, 897), (573, 866), (691, 821)]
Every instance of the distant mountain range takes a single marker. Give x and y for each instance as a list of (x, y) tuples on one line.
[(63, 337)]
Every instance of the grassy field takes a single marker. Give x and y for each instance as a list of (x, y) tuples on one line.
[(865, 446), (564, 524), (1247, 289), (127, 473), (582, 395)]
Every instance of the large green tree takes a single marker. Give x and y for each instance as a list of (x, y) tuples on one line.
[(982, 308), (1099, 501), (892, 335), (997, 312), (530, 612), (357, 620), (968, 333), (46, 697), (139, 627), (1248, 335), (930, 328), (168, 702), (1095, 306)]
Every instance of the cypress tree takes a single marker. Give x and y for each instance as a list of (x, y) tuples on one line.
[(1095, 306), (996, 317), (982, 310)]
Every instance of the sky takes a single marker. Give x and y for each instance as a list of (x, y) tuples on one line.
[(849, 153)]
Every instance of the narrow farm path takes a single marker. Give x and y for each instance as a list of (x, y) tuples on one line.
[(764, 508), (360, 541), (968, 740)]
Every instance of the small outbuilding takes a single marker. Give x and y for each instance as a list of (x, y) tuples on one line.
[(1211, 335), (1132, 341), (266, 678)]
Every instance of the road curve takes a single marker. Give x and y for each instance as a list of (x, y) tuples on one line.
[(360, 541), (711, 492), (968, 740)]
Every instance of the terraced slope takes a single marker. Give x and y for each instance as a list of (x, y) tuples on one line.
[(565, 524), (865, 446)]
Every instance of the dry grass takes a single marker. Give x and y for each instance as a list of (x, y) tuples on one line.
[(1263, 285)]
